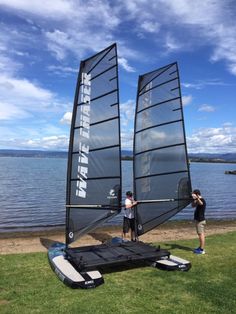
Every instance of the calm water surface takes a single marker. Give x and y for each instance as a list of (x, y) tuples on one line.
[(32, 191)]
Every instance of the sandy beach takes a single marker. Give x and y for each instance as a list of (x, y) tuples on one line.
[(27, 242)]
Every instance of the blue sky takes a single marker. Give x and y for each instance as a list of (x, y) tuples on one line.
[(42, 43)]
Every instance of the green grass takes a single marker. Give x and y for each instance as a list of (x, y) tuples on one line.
[(28, 285)]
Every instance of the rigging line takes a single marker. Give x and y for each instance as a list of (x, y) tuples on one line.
[(96, 178), (90, 206), (110, 208), (158, 148), (100, 59), (163, 71), (164, 200), (161, 84), (157, 125), (161, 174), (99, 74), (159, 103), (117, 207)]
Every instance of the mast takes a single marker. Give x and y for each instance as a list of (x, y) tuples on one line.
[(94, 161), (162, 182)]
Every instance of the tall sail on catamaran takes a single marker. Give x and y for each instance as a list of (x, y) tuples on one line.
[(161, 171), (162, 183)]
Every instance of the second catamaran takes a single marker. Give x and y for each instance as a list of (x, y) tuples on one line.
[(161, 175)]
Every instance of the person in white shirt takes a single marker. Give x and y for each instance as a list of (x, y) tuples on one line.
[(128, 222)]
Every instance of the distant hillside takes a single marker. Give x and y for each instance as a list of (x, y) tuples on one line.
[(204, 157), (126, 155), (32, 153)]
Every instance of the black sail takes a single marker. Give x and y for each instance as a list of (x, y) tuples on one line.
[(94, 163), (161, 171)]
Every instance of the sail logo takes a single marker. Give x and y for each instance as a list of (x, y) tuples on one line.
[(112, 194), (84, 131)]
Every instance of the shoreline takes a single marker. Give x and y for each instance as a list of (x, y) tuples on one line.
[(60, 229), (40, 241)]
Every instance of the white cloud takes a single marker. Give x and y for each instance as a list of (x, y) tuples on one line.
[(66, 119), (7, 65), (20, 97), (206, 22), (59, 69), (53, 10), (213, 140), (206, 108), (187, 100), (32, 139), (22, 88), (172, 44), (214, 21), (124, 63), (77, 24), (10, 111), (127, 110), (204, 83), (50, 142), (151, 27), (127, 139)]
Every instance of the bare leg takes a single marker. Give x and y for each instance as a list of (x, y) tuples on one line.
[(202, 240)]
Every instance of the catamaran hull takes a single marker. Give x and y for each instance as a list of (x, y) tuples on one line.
[(88, 278), (173, 263), (67, 273)]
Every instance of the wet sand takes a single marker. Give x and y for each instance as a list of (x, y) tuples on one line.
[(40, 241)]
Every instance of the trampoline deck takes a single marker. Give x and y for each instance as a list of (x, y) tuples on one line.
[(112, 254)]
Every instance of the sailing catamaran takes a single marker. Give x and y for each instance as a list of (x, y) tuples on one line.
[(161, 174)]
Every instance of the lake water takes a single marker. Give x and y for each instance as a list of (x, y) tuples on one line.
[(32, 191)]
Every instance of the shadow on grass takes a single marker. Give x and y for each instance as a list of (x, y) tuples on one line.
[(172, 246)]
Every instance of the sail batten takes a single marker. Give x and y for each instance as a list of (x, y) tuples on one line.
[(159, 85), (149, 74), (161, 172), (160, 103), (94, 164), (157, 125), (97, 63)]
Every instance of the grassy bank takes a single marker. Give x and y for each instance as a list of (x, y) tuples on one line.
[(27, 285)]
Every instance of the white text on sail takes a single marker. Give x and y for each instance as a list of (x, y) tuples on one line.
[(82, 174)]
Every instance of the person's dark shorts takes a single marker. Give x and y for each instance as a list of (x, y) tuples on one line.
[(128, 224)]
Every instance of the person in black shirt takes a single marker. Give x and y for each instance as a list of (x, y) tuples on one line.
[(199, 217)]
